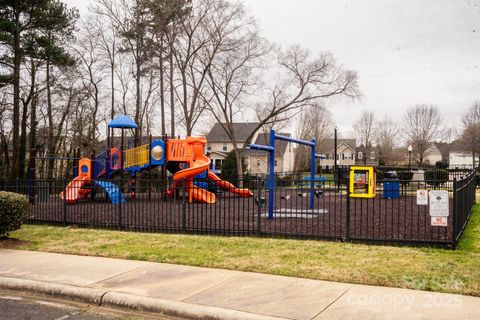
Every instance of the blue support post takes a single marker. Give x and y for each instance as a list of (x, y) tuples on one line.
[(312, 174), (271, 167), (271, 175)]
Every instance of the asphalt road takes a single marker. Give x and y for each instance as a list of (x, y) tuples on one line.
[(18, 307)]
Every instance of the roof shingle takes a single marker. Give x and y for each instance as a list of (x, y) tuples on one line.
[(242, 131)]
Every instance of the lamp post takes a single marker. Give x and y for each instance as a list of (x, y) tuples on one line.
[(410, 149)]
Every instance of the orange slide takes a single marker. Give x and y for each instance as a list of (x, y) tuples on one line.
[(198, 164), (74, 189), (228, 186)]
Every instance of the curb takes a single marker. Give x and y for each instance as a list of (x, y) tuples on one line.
[(163, 307), (89, 295)]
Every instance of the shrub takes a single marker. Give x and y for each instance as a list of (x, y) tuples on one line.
[(441, 165), (13, 212), (229, 168), (379, 175), (436, 177), (405, 176)]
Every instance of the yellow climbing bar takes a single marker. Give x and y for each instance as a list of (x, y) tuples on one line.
[(138, 156)]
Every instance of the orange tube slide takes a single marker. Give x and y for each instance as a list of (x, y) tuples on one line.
[(228, 186)]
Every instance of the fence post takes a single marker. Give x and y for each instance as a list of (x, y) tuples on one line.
[(120, 206), (184, 206), (259, 206), (347, 217), (65, 202), (455, 213)]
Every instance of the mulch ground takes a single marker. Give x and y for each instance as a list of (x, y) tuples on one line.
[(370, 219)]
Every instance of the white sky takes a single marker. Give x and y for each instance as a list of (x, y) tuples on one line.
[(406, 52)]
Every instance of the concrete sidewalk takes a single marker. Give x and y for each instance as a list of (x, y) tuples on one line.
[(201, 293)]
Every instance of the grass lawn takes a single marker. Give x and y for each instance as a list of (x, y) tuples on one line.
[(406, 267)]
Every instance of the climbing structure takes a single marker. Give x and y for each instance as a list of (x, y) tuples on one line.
[(184, 158)]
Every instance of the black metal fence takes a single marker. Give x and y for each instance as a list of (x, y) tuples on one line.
[(335, 215)]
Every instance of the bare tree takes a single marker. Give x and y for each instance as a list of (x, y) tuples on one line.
[(314, 121), (470, 136), (365, 131), (421, 126), (303, 80), (107, 49), (131, 21), (91, 72), (386, 136), (232, 70)]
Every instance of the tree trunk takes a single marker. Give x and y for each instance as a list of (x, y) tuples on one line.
[(185, 101), (51, 143), (33, 124), (238, 156), (112, 70), (137, 105), (23, 142), (162, 88), (16, 98), (172, 93)]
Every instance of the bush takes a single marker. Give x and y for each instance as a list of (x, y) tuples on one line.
[(405, 176), (441, 165), (436, 177), (379, 175), (13, 212), (229, 168)]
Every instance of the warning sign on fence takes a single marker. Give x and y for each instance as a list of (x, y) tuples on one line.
[(439, 203), (422, 197), (439, 221)]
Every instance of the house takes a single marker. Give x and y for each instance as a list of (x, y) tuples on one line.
[(432, 155), (219, 144), (346, 152), (435, 153), (460, 157), (257, 160), (368, 156)]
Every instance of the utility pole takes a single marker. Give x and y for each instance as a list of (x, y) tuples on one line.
[(335, 150), (335, 169)]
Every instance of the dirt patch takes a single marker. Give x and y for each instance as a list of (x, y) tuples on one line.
[(11, 243)]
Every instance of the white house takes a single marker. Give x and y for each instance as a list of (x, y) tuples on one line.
[(461, 159), (346, 152), (219, 144), (257, 160)]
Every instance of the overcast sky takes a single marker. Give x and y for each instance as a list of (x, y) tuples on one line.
[(405, 52)]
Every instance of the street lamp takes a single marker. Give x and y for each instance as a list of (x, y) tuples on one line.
[(410, 149)]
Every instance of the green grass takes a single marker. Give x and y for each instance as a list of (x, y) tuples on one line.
[(406, 267)]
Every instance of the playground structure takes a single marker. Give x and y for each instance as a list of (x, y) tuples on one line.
[(270, 149), (342, 209), (183, 158)]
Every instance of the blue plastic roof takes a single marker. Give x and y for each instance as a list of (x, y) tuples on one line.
[(123, 122)]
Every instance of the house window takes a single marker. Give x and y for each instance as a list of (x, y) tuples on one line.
[(209, 148), (258, 162), (372, 155), (360, 155), (276, 163), (225, 147), (347, 156)]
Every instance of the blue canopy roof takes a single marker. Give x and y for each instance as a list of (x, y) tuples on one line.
[(123, 122)]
